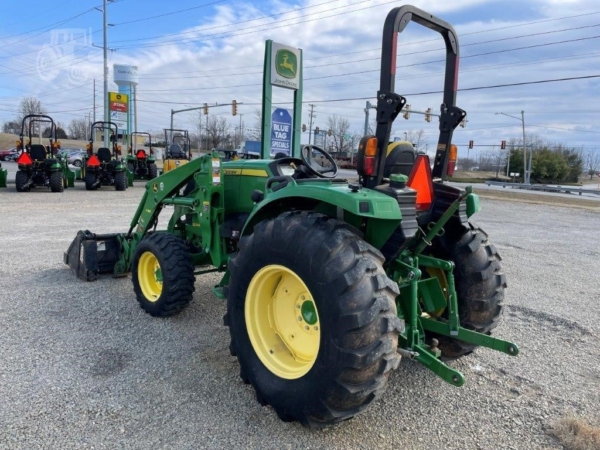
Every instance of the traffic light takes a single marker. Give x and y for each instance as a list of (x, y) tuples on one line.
[(503, 145), (316, 130), (205, 109), (329, 132), (303, 127), (428, 115), (234, 107), (470, 144), (406, 114)]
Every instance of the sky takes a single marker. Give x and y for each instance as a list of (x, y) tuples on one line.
[(211, 51)]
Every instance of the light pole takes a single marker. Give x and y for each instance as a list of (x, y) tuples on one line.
[(526, 171)]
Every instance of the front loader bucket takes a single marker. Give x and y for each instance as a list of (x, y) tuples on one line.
[(91, 254)]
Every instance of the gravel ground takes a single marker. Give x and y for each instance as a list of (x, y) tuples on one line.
[(82, 366)]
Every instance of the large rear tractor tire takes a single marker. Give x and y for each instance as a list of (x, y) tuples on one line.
[(480, 285), (163, 274), (152, 171), (56, 182), (21, 179), (90, 181), (312, 318), (121, 181)]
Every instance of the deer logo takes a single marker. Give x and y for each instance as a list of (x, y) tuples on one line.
[(286, 64)]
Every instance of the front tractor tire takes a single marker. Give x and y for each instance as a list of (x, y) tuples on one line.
[(152, 171), (120, 181), (479, 282), (312, 318), (90, 181), (21, 180), (56, 182), (163, 274)]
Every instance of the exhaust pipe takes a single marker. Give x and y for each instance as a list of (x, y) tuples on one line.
[(91, 254)]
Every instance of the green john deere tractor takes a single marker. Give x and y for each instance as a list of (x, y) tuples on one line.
[(3, 176), (140, 163), (328, 282), (41, 165), (105, 167)]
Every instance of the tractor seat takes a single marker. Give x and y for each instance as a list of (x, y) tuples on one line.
[(37, 152), (400, 158), (104, 154), (176, 152)]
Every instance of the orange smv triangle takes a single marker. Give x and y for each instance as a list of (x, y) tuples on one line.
[(420, 180)]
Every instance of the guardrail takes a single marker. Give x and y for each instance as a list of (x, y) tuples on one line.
[(544, 187)]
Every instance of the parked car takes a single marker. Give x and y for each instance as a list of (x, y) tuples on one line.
[(75, 156), (9, 155)]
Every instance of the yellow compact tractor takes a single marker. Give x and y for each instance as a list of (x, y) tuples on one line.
[(178, 149)]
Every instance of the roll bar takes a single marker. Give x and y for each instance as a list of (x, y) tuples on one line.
[(390, 104)]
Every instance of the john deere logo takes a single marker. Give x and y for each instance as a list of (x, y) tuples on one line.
[(286, 63), (154, 187)]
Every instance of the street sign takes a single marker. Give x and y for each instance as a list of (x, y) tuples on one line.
[(320, 139), (281, 131), (119, 107), (285, 66)]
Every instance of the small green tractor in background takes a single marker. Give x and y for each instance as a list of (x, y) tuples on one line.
[(3, 176), (104, 167), (41, 165), (328, 282), (178, 149), (140, 163)]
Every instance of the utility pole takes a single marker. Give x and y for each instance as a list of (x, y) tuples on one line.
[(240, 131), (368, 106), (207, 149), (105, 50), (311, 115), (526, 174), (94, 99)]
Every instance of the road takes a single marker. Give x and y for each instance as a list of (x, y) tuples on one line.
[(82, 366)]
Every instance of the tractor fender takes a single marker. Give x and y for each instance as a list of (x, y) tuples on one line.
[(376, 215)]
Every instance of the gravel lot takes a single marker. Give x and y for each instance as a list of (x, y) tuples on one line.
[(82, 366)]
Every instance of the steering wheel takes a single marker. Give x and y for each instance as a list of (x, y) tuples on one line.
[(306, 153)]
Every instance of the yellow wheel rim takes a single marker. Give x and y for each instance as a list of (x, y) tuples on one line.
[(150, 276), (282, 322)]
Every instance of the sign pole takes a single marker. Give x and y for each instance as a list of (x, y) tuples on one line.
[(265, 149), (298, 111)]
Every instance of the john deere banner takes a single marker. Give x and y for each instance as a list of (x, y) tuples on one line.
[(118, 105), (285, 63)]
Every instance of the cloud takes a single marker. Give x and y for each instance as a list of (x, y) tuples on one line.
[(218, 57)]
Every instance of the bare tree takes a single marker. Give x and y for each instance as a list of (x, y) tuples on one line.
[(30, 105), (78, 129), (255, 134), (340, 140), (219, 132), (11, 127), (593, 163), (417, 138)]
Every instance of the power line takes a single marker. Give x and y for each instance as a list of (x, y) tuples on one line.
[(377, 70), (414, 94), (225, 26), (171, 13), (46, 26), (269, 27), (379, 48)]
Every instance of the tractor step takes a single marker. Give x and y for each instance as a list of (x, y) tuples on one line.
[(91, 254)]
